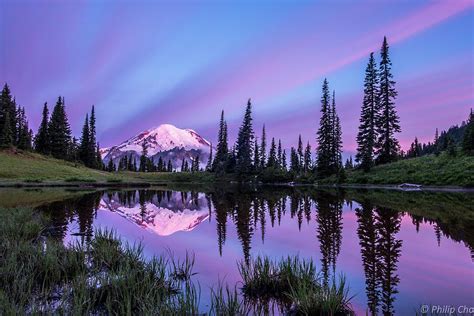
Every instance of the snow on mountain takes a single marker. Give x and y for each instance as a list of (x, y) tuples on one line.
[(165, 141), (161, 220)]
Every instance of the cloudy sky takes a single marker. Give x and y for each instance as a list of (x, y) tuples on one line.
[(144, 63)]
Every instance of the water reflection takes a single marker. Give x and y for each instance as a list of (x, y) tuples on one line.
[(251, 214)]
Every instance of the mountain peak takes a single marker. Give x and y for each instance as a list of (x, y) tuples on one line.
[(162, 139)]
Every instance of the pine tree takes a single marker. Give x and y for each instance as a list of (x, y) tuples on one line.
[(84, 146), (6, 137), (279, 155), (283, 160), (336, 138), (307, 158), (367, 135), (325, 131), (294, 161), (244, 145), (59, 131), (182, 166), (272, 156), (468, 138), (143, 157), (349, 164), (7, 118), (160, 164), (300, 151), (170, 166), (42, 137), (220, 159), (186, 166), (92, 158), (387, 121), (99, 161), (209, 161), (263, 149), (256, 156), (111, 166)]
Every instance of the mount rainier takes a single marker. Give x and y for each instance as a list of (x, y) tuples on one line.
[(165, 141)]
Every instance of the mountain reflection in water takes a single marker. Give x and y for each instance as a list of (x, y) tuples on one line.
[(398, 250)]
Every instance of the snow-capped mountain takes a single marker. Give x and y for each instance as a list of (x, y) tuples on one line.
[(165, 141)]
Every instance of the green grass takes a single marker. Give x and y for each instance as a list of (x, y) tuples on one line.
[(427, 170), (293, 283)]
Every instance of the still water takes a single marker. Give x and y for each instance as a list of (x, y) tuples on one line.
[(398, 250)]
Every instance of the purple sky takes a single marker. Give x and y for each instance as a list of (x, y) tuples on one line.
[(144, 63)]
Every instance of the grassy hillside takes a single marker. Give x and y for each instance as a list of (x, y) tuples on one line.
[(427, 170), (26, 167), (30, 167)]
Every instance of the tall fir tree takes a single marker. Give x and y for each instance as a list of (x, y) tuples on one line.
[(85, 142), (7, 118), (23, 138), (367, 135), (222, 151), (263, 149), (244, 145), (59, 131), (324, 134), (387, 121), (42, 137), (279, 155), (272, 156), (283, 160), (294, 161), (307, 158), (170, 166), (93, 159), (468, 138), (209, 161), (144, 156), (256, 156), (300, 151), (336, 138), (6, 135)]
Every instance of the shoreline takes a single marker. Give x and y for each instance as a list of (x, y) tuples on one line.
[(82, 185)]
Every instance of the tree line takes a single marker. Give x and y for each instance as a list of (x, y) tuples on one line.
[(54, 133)]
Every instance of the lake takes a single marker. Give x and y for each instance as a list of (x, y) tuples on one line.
[(398, 250)]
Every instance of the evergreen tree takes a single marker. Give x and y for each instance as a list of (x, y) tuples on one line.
[(195, 164), (100, 162), (325, 130), (186, 166), (160, 164), (283, 160), (387, 121), (8, 116), (294, 161), (279, 155), (220, 160), (93, 159), (256, 156), (59, 131), (300, 151), (6, 135), (209, 161), (349, 165), (42, 137), (143, 157), (468, 138), (84, 146), (244, 144), (367, 135), (23, 137), (263, 149), (272, 156), (111, 166), (182, 166), (170, 166), (307, 158), (130, 163), (336, 138)]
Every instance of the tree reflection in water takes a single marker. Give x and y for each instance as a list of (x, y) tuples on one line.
[(249, 210)]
